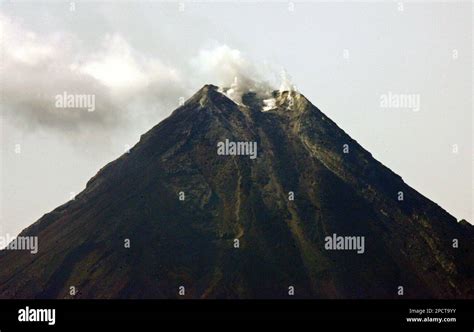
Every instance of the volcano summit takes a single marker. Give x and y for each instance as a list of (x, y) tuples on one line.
[(173, 219)]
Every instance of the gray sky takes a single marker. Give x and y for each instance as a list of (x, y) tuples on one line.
[(138, 58)]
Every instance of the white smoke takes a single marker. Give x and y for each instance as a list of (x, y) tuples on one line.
[(229, 69), (235, 91), (286, 82)]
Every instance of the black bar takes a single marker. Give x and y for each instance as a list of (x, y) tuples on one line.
[(383, 314)]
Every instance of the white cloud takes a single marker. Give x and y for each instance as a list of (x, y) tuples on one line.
[(36, 68), (120, 67), (114, 66), (23, 46)]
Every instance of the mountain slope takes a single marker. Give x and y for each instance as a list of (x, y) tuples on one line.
[(282, 241)]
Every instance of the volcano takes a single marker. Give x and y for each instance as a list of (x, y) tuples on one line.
[(173, 218)]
